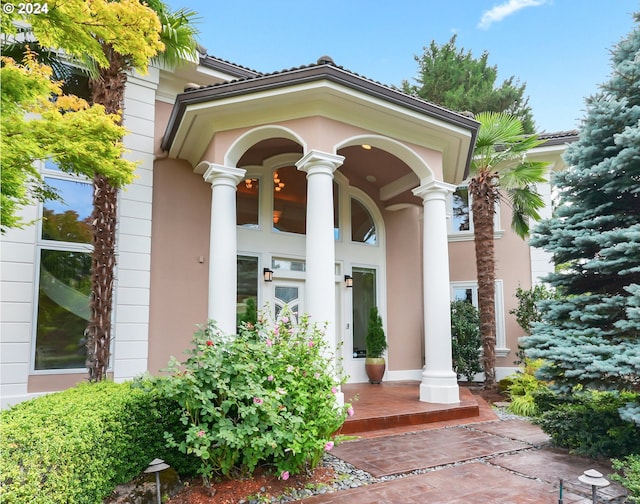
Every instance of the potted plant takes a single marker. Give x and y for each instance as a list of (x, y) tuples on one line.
[(376, 344)]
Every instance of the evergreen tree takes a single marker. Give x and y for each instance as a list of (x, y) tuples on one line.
[(591, 335), (453, 78)]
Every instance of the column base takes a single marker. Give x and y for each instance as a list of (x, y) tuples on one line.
[(439, 387)]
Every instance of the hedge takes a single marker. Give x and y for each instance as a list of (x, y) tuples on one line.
[(76, 446)]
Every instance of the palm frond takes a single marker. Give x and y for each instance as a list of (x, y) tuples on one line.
[(522, 174), (525, 203), (178, 33)]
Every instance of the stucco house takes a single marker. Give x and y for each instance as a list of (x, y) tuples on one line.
[(313, 187)]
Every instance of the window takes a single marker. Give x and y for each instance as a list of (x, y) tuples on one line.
[(461, 221), (461, 210), (247, 295), (363, 229), (364, 298), (64, 286), (248, 203), (290, 200), (468, 291)]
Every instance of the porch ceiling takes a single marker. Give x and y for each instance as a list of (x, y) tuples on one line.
[(322, 90)]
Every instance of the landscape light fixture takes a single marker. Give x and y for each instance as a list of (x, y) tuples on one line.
[(156, 466), (595, 479)]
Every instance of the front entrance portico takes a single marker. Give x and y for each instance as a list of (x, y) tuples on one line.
[(362, 146)]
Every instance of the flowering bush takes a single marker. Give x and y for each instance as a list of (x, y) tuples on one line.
[(265, 396)]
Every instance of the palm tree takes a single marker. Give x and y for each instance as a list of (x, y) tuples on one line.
[(499, 170), (179, 37)]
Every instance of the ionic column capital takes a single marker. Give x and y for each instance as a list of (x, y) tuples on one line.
[(217, 174), (316, 161), (434, 189)]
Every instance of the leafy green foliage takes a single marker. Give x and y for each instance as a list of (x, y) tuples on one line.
[(264, 397), (591, 336), (465, 339), (630, 477), (455, 79), (79, 138), (524, 388), (76, 446), (589, 423), (83, 29), (375, 340), (528, 312)]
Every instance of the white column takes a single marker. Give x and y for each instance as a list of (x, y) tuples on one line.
[(320, 295), (223, 245), (439, 381)]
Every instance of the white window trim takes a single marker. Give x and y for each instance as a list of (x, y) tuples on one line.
[(458, 236), (501, 342)]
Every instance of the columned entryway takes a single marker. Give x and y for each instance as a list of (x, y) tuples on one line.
[(223, 245), (439, 382)]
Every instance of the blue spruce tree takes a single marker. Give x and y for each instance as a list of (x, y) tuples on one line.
[(591, 335)]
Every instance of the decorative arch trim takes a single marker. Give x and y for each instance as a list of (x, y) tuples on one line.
[(417, 164), (255, 135)]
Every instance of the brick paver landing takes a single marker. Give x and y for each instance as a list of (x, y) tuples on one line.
[(473, 483), (421, 450)]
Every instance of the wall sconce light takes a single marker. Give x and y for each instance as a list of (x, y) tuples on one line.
[(348, 281), (268, 275)]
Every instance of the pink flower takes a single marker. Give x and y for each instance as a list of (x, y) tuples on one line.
[(284, 475), (285, 319), (258, 400), (209, 343), (270, 377), (310, 343), (269, 343), (201, 433), (328, 446), (334, 390), (276, 329), (350, 411)]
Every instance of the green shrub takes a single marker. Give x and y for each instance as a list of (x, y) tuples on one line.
[(265, 396), (528, 311), (589, 423), (375, 340), (630, 477), (524, 388), (76, 446), (465, 339)]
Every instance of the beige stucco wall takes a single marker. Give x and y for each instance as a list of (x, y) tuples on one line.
[(179, 261), (512, 267), (404, 289)]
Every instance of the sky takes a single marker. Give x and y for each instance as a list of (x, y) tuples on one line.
[(559, 48)]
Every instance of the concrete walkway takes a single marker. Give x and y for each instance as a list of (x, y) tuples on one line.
[(495, 462)]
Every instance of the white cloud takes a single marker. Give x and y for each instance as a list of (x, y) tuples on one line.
[(499, 12)]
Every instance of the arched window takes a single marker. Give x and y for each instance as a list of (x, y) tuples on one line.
[(363, 229), (290, 200), (248, 203)]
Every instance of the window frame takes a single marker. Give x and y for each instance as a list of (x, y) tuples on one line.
[(55, 245), (501, 342), (468, 235)]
